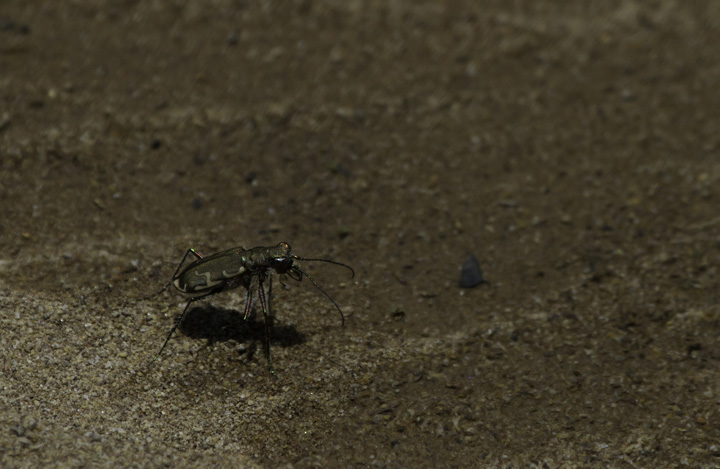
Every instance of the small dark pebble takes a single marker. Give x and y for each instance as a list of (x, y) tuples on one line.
[(342, 170), (156, 143), (398, 313), (471, 275)]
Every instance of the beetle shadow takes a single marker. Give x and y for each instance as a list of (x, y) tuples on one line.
[(222, 324)]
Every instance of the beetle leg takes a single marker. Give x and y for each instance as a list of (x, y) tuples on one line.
[(266, 316), (248, 302), (189, 251), (177, 323)]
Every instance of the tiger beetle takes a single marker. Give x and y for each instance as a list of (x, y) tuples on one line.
[(229, 269)]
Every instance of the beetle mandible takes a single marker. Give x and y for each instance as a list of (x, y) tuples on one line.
[(229, 269)]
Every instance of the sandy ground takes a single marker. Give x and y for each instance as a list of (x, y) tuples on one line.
[(572, 147)]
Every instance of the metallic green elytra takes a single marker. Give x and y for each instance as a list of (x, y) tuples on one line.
[(229, 269)]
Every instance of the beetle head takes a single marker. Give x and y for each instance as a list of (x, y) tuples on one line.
[(282, 258)]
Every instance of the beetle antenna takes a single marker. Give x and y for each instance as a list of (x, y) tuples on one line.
[(342, 316), (325, 260)]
